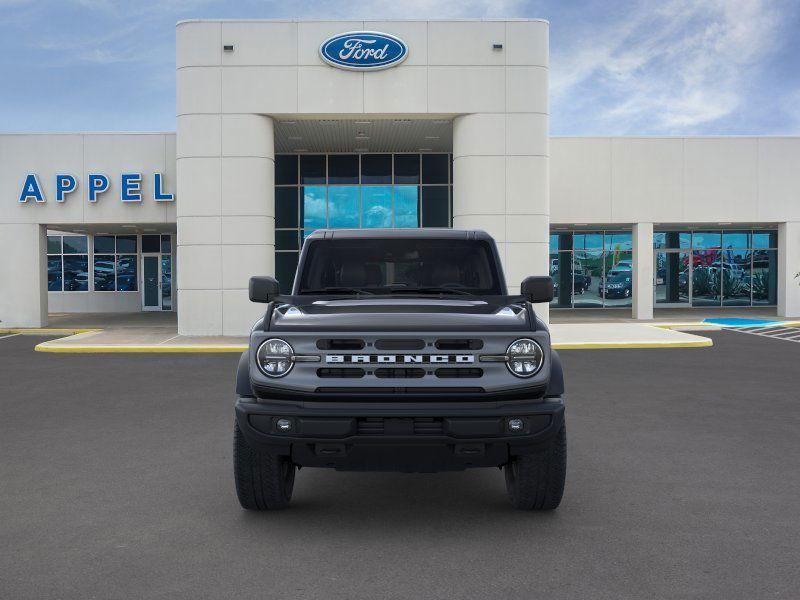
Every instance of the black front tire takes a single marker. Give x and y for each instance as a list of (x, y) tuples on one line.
[(536, 481), (263, 481)]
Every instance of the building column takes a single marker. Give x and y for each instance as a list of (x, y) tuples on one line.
[(226, 223), (23, 271), (788, 269), (642, 271), (501, 185)]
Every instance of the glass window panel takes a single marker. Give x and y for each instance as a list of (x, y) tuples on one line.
[(672, 239), (765, 239), (588, 241), (672, 277), (659, 239), (312, 168), (166, 244), (618, 241), (736, 277), (75, 244), (376, 206), (166, 282), (104, 272), (54, 279), (435, 205), (406, 206), (150, 243), (285, 267), (706, 277), (406, 168), (736, 239), (706, 239), (343, 168), (126, 273), (553, 243), (286, 240), (285, 169), (104, 244), (617, 286), (587, 274), (343, 206), (54, 244), (376, 168), (76, 273), (286, 207), (126, 244), (765, 277), (434, 168), (561, 272), (314, 216)]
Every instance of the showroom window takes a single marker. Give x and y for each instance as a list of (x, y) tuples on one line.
[(67, 263), (336, 191), (591, 269), (115, 263), (716, 268)]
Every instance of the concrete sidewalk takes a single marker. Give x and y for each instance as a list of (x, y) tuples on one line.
[(137, 335)]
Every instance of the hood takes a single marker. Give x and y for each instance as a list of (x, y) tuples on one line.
[(498, 313)]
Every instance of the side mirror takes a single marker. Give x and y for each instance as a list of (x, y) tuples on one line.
[(263, 289), (538, 288)]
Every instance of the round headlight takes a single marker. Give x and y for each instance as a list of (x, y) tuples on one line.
[(275, 357), (525, 357)]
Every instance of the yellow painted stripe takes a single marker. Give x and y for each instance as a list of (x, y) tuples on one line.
[(155, 349), (704, 343), (46, 331)]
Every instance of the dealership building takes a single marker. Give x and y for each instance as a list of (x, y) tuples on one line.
[(284, 127)]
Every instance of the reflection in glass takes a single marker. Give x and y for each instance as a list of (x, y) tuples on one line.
[(765, 277), (618, 241), (104, 244), (54, 244), (706, 239), (126, 244), (765, 239), (166, 244), (166, 282), (75, 244), (406, 206), (104, 272), (672, 239), (736, 239), (343, 206), (672, 277), (54, 279), (561, 272), (706, 277), (588, 241), (617, 286), (587, 278), (313, 207), (735, 277), (76, 273), (376, 206), (126, 273)]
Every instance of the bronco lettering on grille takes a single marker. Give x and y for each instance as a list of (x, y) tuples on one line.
[(400, 358)]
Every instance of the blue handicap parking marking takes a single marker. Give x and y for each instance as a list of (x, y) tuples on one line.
[(742, 322)]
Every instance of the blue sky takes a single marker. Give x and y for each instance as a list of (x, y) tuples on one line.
[(617, 68)]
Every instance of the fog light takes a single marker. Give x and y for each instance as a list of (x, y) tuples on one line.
[(283, 425), (516, 424)]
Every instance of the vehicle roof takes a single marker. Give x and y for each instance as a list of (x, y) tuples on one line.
[(428, 233)]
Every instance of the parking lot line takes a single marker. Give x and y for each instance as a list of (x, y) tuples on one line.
[(2, 337)]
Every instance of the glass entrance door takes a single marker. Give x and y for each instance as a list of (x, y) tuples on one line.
[(151, 279)]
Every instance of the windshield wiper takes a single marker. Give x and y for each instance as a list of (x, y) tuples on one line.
[(432, 290), (337, 290)]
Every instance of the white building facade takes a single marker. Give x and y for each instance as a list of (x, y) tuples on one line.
[(275, 139)]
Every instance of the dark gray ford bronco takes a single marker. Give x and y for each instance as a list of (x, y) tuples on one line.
[(400, 350)]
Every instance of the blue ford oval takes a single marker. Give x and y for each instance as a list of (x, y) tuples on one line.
[(363, 50)]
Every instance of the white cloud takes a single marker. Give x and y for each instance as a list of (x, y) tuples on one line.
[(671, 68)]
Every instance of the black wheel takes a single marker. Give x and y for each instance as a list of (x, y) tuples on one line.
[(536, 481), (263, 481)]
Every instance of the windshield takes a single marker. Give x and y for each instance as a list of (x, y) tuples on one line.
[(396, 266)]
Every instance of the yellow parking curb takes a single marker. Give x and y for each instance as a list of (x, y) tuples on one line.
[(99, 349), (704, 343)]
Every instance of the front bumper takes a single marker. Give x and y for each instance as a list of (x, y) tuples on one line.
[(399, 436)]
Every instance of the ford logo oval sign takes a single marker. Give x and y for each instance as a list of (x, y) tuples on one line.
[(363, 50)]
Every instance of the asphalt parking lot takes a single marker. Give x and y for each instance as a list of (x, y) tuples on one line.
[(683, 482)]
